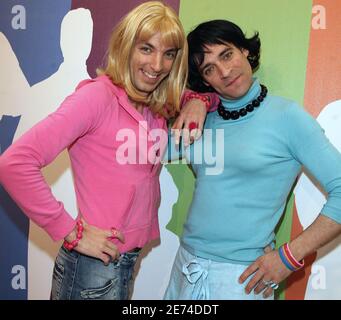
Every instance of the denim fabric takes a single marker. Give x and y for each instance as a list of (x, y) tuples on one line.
[(80, 277), (195, 278)]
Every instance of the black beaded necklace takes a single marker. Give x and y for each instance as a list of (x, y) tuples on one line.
[(236, 114)]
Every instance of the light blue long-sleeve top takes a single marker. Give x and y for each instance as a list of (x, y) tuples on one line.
[(240, 198)]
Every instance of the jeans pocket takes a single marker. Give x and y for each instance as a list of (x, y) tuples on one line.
[(101, 293), (57, 279), (64, 270)]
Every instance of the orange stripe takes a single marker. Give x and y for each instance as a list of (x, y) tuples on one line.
[(323, 78), (323, 85)]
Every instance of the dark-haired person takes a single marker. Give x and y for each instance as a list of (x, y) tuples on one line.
[(267, 141)]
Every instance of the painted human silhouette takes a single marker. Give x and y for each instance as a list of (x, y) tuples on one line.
[(46, 96), (35, 103), (14, 225), (151, 280)]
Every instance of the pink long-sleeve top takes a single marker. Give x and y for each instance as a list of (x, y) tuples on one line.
[(109, 194)]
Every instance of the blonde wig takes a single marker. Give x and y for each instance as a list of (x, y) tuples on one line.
[(142, 23)]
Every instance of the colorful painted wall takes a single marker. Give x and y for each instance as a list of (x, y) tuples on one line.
[(48, 46)]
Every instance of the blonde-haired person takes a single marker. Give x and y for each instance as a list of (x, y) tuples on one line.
[(109, 126), (147, 20)]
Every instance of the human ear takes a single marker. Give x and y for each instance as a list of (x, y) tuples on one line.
[(245, 52)]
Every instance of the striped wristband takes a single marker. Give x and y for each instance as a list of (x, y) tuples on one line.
[(288, 259)]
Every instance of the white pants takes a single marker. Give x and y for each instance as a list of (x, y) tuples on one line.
[(194, 278)]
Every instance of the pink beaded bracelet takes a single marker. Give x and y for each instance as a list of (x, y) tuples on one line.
[(202, 97), (73, 244)]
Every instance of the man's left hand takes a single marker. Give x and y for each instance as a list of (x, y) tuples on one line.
[(266, 270)]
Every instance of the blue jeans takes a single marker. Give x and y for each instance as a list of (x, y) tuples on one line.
[(80, 277)]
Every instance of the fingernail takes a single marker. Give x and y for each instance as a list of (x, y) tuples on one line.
[(114, 232)]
